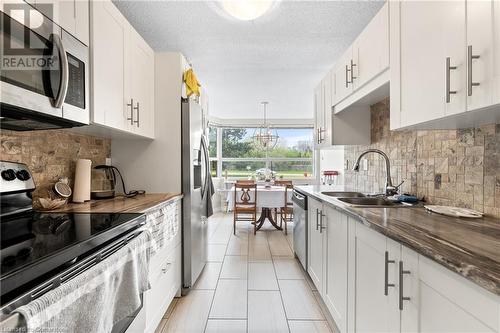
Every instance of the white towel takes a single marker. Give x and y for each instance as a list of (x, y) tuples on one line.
[(164, 224), (99, 297)]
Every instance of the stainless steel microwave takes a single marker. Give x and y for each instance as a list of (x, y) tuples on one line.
[(44, 72)]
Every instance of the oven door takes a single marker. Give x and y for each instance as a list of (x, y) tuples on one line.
[(37, 71)]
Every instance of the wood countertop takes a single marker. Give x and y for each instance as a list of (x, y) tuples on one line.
[(137, 204), (469, 247)]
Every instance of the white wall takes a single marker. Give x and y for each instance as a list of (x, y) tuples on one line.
[(333, 159)]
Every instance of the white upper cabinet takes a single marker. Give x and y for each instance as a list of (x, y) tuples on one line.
[(323, 111), (431, 61), (370, 50), (483, 54), (110, 35), (141, 69), (71, 15), (344, 76), (123, 73), (444, 61), (356, 81), (318, 114)]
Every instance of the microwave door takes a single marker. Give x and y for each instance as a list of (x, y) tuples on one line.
[(76, 102), (31, 76)]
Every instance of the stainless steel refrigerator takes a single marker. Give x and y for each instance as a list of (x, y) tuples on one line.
[(196, 187)]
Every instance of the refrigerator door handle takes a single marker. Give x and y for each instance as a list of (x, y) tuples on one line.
[(207, 165)]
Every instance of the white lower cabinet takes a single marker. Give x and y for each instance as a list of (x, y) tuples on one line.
[(335, 290), (441, 301), (371, 283), (373, 310), (164, 286), (315, 244), (165, 269)]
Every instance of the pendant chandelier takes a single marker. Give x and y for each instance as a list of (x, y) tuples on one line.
[(265, 135)]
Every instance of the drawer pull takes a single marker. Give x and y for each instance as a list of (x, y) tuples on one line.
[(402, 298), (386, 278), (470, 82)]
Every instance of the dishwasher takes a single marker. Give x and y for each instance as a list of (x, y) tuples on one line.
[(300, 227)]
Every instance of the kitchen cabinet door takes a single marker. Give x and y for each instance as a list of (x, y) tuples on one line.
[(428, 33), (82, 21), (110, 34), (61, 12), (483, 42), (343, 76), (141, 69), (316, 247), (335, 291), (326, 135), (71, 15), (318, 114), (374, 311), (443, 301), (371, 49)]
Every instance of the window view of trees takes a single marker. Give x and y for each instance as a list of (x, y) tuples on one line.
[(242, 157)]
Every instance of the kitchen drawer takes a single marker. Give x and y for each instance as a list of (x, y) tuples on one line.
[(165, 282)]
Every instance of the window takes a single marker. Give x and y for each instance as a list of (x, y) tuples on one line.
[(212, 150), (235, 154)]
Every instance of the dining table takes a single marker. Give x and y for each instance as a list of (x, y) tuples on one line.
[(268, 198)]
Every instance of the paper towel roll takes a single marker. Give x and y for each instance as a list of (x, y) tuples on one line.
[(81, 191)]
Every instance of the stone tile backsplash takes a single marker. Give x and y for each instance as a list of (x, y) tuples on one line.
[(447, 167), (52, 154)]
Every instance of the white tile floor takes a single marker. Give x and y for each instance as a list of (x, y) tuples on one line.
[(252, 283)]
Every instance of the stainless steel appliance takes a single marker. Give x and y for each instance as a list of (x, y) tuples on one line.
[(300, 225), (41, 251), (44, 72), (195, 187)]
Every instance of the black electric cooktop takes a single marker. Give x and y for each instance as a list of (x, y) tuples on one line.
[(33, 243)]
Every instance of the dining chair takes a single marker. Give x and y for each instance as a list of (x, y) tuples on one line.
[(245, 181), (245, 207), (285, 212)]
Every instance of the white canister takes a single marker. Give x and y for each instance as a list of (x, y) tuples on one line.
[(81, 190)]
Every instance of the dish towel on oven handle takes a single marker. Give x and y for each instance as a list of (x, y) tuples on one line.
[(99, 297)]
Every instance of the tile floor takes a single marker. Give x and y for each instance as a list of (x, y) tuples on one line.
[(251, 283)]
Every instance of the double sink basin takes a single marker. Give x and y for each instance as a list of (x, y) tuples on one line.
[(358, 199)]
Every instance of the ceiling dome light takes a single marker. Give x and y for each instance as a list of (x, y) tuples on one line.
[(247, 10)]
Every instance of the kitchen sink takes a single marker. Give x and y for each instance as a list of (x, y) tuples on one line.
[(370, 202), (342, 194)]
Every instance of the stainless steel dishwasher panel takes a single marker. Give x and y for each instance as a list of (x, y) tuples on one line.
[(300, 227)]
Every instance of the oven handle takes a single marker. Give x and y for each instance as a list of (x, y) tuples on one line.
[(63, 58), (298, 196)]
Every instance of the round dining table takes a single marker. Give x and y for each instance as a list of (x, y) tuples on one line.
[(268, 198)]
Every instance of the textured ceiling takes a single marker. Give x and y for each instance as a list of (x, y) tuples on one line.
[(279, 57)]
